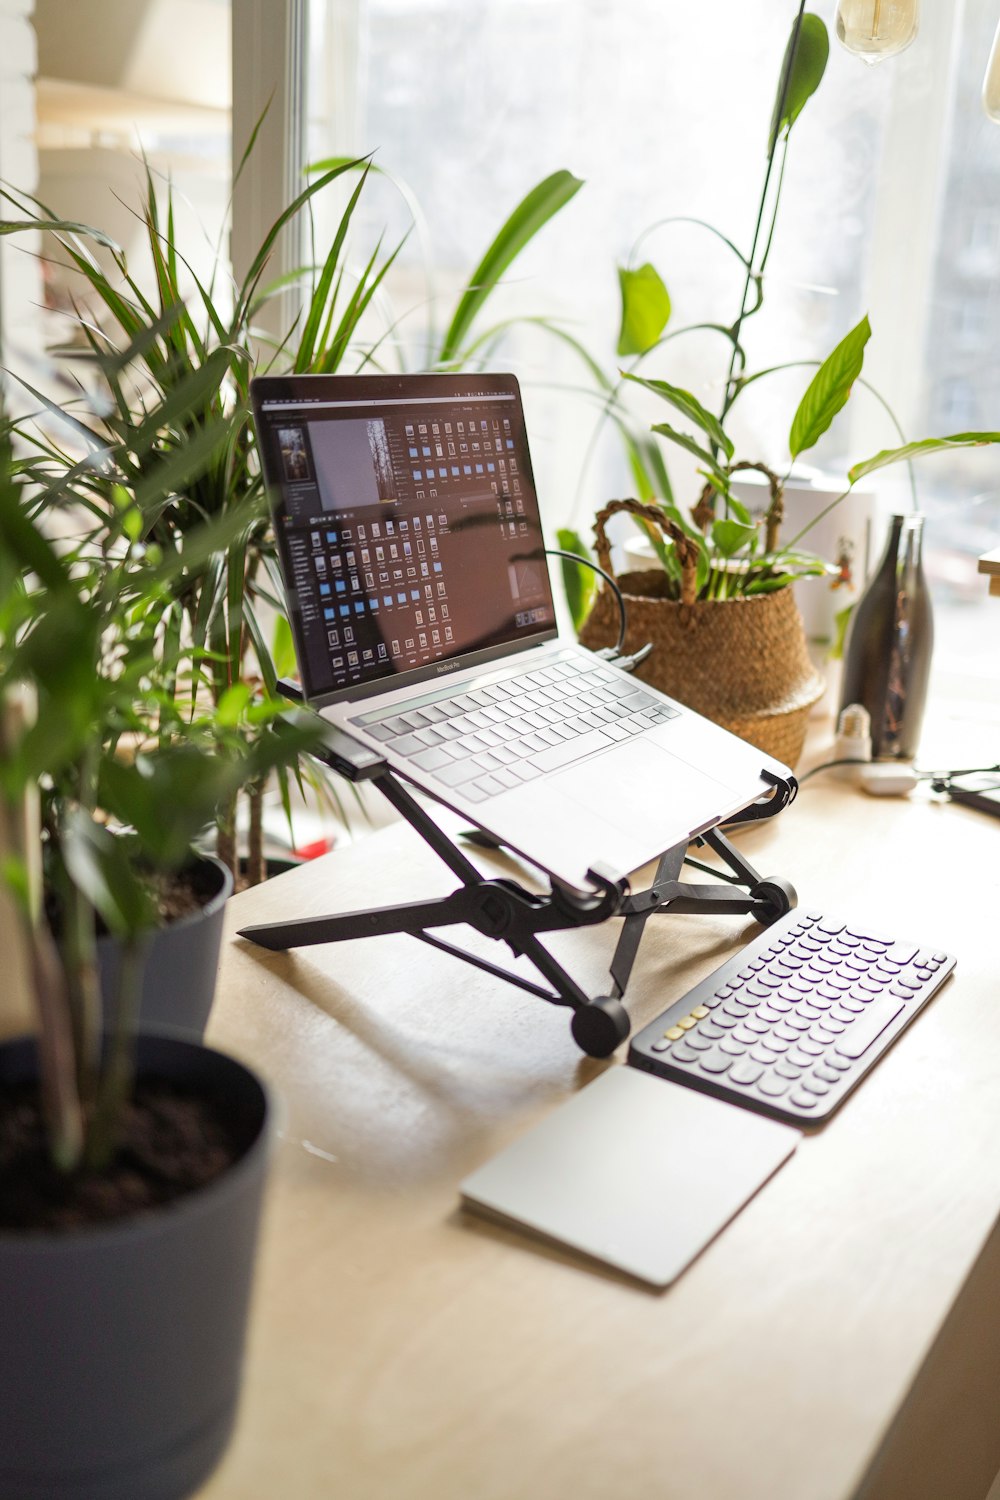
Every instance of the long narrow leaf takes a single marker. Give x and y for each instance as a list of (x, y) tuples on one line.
[(690, 407), (917, 450), (531, 214), (703, 456)]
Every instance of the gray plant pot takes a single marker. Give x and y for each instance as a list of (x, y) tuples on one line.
[(122, 1344), (182, 959)]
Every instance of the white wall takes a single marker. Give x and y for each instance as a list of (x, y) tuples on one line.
[(20, 281)]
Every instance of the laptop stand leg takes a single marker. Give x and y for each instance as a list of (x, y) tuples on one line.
[(504, 911)]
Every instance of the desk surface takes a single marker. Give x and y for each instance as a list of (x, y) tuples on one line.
[(400, 1348)]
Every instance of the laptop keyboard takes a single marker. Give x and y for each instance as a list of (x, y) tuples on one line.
[(492, 738)]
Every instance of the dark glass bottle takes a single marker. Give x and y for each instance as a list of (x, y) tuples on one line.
[(887, 656)]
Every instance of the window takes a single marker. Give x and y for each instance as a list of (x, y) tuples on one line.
[(889, 205)]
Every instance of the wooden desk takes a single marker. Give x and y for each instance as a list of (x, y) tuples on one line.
[(840, 1338), (989, 564)]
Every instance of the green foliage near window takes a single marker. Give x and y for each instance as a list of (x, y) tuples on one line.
[(738, 554)]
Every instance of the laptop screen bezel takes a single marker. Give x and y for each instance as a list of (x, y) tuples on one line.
[(265, 389)]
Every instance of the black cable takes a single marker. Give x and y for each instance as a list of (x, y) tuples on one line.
[(612, 585), (828, 766)]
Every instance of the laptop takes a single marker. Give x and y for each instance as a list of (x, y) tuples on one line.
[(421, 609)]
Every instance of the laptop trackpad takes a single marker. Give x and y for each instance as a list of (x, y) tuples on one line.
[(638, 780)]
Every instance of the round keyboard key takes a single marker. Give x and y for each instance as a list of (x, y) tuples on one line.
[(699, 1012), (719, 1018), (812, 1046), (745, 1072), (697, 1041), (734, 1009), (820, 1034), (828, 1074), (786, 1069), (732, 1046), (802, 1100), (800, 1058), (716, 1061), (674, 1034), (680, 1052), (773, 1085), (816, 1086), (834, 1060), (709, 1029), (765, 1055)]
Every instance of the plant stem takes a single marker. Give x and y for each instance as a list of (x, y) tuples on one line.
[(225, 847), (118, 1072), (750, 276), (256, 871)]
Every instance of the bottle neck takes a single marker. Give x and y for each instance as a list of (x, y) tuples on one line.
[(903, 550)]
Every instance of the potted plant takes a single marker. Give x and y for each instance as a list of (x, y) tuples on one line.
[(231, 607), (719, 610), (131, 1166)]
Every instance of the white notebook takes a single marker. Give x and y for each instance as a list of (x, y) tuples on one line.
[(633, 1171)]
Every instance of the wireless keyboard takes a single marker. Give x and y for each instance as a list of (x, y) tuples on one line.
[(795, 1020)]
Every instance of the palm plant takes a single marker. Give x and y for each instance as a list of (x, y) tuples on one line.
[(104, 783), (197, 453)]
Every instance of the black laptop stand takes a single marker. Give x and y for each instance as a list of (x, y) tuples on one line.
[(504, 910)]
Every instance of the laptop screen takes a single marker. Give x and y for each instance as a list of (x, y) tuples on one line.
[(407, 524)]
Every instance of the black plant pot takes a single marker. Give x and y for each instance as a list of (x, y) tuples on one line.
[(182, 959), (122, 1344)]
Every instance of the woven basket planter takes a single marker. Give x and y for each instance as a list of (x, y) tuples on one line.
[(742, 663)]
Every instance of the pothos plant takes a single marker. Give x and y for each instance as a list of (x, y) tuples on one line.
[(197, 455), (104, 785), (738, 555)]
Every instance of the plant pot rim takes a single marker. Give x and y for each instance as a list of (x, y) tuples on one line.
[(222, 895), (149, 1223)]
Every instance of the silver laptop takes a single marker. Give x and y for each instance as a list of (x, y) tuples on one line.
[(424, 625)]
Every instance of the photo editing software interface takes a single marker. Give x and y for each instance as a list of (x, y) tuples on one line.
[(409, 528)]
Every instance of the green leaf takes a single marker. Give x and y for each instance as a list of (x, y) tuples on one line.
[(283, 647), (917, 450), (829, 389), (531, 214), (60, 226), (804, 65), (729, 536), (718, 475), (645, 309), (579, 582), (691, 408), (99, 867), (232, 704)]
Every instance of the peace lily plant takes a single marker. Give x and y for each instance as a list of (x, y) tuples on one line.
[(737, 555)]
